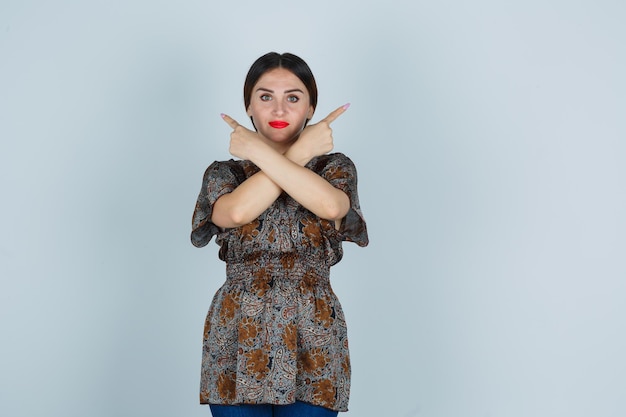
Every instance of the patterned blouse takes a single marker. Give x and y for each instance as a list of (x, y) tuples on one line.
[(275, 332)]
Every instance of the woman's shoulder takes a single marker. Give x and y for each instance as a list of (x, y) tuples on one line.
[(231, 167), (336, 159), (228, 164)]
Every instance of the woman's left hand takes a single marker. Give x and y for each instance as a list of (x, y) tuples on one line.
[(316, 139)]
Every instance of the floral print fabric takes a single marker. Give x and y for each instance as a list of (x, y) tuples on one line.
[(275, 332)]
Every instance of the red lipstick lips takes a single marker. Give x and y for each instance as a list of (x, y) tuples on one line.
[(278, 124)]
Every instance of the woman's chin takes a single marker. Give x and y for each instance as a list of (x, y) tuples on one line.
[(280, 137)]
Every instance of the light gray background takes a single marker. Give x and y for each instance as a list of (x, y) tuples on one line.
[(490, 142)]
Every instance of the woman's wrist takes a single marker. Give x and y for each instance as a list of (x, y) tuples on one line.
[(296, 156)]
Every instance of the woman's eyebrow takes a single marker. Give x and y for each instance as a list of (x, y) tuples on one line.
[(293, 90)]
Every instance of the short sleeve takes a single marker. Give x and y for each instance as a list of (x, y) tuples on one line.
[(219, 178), (340, 171)]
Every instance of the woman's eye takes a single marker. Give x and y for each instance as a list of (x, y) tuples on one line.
[(266, 97), (293, 99)]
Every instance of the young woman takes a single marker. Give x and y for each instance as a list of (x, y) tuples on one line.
[(275, 340)]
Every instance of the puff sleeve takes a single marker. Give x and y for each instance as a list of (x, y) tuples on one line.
[(340, 171), (219, 178)]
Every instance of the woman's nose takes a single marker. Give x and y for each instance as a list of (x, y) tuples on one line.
[(279, 108)]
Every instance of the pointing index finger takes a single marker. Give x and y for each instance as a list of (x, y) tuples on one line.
[(231, 122), (336, 113)]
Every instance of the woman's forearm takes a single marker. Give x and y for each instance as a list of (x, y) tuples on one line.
[(246, 202), (252, 197), (280, 172), (303, 185)]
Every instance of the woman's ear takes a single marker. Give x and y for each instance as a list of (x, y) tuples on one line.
[(309, 115)]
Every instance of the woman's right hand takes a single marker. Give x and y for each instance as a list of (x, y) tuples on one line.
[(316, 139), (242, 140)]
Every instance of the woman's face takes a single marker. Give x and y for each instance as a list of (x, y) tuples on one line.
[(280, 106)]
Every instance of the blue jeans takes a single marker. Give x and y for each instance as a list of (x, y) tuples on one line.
[(298, 409)]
